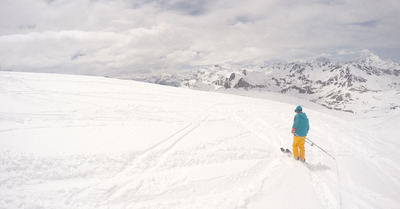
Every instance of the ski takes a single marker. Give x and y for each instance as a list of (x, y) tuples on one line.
[(286, 151), (289, 154)]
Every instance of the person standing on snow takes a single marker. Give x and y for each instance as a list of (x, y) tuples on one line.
[(299, 129)]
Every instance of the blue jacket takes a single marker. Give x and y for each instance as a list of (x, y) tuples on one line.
[(301, 124)]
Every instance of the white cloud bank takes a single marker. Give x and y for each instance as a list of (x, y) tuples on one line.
[(123, 36)]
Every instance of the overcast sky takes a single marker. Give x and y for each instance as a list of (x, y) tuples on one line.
[(122, 36)]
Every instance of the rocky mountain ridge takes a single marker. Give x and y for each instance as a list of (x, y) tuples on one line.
[(362, 85)]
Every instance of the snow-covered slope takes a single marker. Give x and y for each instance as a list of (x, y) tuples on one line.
[(365, 84), (87, 142)]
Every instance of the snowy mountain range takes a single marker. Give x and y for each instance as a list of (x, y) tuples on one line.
[(362, 85)]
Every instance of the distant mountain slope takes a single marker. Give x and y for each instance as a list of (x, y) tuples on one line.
[(362, 85)]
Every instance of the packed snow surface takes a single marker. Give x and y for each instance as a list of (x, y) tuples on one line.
[(90, 142)]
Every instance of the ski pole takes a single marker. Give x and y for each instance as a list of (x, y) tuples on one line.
[(312, 144), (320, 148), (309, 142)]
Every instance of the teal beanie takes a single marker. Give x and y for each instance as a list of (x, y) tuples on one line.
[(298, 109)]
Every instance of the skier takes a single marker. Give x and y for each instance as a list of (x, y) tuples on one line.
[(299, 129)]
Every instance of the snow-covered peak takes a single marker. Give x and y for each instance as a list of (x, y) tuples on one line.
[(373, 61), (322, 60), (368, 58)]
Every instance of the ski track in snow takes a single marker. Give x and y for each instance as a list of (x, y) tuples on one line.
[(83, 142), (170, 142)]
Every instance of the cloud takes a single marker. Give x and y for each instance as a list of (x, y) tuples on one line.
[(369, 23), (125, 36)]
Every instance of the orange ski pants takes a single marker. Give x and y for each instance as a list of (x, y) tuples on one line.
[(298, 144)]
